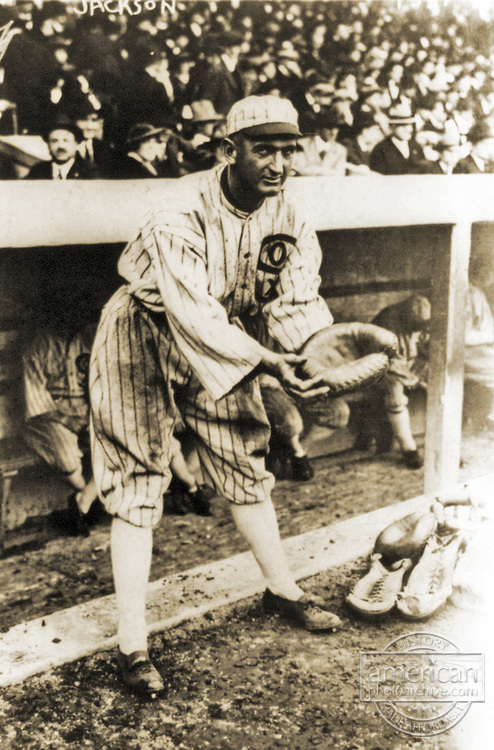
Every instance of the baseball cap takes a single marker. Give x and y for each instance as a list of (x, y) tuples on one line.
[(261, 116)]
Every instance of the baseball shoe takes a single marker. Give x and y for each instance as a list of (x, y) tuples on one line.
[(139, 674), (199, 502), (302, 469), (431, 581), (77, 521), (377, 592), (413, 459), (308, 611)]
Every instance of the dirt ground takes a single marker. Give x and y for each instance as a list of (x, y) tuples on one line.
[(236, 679)]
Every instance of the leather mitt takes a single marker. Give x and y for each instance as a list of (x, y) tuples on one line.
[(348, 356)]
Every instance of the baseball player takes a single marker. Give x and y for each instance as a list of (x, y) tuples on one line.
[(220, 246), (55, 367)]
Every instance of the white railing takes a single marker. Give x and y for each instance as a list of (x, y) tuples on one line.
[(34, 214)]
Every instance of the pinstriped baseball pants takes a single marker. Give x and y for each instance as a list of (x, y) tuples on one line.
[(57, 444), (138, 383)]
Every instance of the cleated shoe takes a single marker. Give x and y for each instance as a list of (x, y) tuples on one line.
[(376, 593), (431, 581), (199, 502), (309, 611), (413, 459), (77, 521), (139, 674), (302, 468)]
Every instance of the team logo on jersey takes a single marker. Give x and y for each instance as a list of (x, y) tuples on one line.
[(272, 258)]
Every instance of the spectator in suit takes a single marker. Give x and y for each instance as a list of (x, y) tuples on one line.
[(98, 154), (63, 138), (319, 153), (195, 149), (398, 153), (143, 149), (218, 79), (480, 160), (364, 135)]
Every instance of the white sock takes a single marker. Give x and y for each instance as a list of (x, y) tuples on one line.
[(258, 524), (131, 548)]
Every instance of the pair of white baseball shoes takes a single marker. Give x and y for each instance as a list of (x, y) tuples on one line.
[(413, 562)]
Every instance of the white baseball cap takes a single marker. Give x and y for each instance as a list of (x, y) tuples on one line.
[(258, 116)]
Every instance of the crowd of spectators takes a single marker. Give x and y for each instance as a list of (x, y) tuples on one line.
[(384, 87)]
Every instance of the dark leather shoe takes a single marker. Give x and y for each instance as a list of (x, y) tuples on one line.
[(301, 468), (413, 459), (77, 521), (199, 502), (308, 611), (139, 674)]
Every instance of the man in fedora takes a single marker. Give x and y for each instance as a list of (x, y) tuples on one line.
[(63, 138), (143, 149), (399, 153), (195, 150), (480, 160)]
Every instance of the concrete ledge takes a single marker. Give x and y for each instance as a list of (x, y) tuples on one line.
[(38, 645)]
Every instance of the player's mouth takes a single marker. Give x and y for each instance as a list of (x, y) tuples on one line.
[(273, 181)]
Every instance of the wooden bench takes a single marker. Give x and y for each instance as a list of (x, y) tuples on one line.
[(14, 456)]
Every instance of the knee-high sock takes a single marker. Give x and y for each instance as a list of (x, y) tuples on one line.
[(131, 549), (258, 524), (402, 431)]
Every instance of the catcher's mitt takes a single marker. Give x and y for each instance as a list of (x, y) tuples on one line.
[(348, 356)]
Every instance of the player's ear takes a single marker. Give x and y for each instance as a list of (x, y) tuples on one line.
[(229, 150)]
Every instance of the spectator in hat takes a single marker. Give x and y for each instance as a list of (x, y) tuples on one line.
[(219, 79), (96, 152), (480, 160), (142, 151), (364, 135), (448, 150), (31, 70), (195, 150), (398, 153), (319, 153), (147, 95), (63, 138)]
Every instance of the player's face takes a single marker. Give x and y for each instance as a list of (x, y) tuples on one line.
[(262, 166), (62, 146)]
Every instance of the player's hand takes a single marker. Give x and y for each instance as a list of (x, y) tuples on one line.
[(283, 367)]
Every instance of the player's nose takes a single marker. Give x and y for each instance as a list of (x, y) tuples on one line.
[(276, 164)]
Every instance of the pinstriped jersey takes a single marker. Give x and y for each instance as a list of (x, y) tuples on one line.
[(55, 374), (208, 265)]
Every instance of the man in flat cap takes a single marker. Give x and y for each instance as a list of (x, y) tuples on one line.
[(221, 247)]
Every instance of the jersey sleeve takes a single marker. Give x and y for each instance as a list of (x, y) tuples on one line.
[(37, 397), (220, 353), (298, 311)]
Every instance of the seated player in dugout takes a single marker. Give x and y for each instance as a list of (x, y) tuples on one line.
[(223, 245), (56, 366)]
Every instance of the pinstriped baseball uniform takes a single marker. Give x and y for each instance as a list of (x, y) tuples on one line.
[(173, 338), (55, 369)]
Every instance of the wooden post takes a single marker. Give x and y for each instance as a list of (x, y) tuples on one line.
[(446, 361)]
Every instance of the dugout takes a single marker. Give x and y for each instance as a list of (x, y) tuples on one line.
[(382, 238)]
